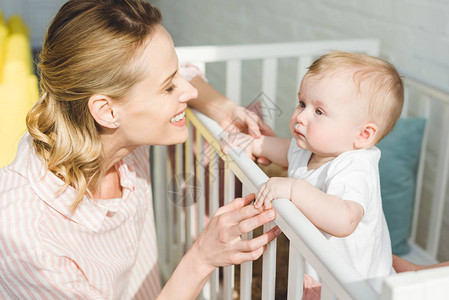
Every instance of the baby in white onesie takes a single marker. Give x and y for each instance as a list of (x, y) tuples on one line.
[(346, 104)]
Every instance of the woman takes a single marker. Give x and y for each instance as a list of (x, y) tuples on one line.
[(75, 205), (402, 265)]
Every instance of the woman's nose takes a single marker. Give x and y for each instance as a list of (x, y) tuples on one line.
[(189, 92)]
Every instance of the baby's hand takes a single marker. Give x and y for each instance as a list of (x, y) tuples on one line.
[(274, 188), (241, 140)]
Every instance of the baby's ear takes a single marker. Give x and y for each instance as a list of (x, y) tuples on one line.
[(367, 136)]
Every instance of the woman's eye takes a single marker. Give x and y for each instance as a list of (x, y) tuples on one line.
[(171, 89), (302, 104), (319, 112)]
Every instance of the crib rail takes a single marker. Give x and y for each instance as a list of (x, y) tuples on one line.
[(306, 242)]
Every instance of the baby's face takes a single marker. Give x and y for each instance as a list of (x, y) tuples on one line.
[(328, 118)]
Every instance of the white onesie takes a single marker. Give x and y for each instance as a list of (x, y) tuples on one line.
[(354, 176)]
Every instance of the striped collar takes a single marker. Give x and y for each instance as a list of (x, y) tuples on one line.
[(91, 212)]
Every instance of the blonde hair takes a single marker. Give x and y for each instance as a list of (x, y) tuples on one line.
[(91, 47), (378, 83)]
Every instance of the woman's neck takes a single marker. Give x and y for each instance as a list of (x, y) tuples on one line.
[(114, 151), (110, 186)]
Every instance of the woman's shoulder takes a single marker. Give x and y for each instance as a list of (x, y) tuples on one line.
[(14, 178), (20, 207), (21, 212)]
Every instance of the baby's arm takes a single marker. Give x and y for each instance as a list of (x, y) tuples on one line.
[(328, 213), (271, 147)]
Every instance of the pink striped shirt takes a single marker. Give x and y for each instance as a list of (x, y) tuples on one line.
[(106, 250)]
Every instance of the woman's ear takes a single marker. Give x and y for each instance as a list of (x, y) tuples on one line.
[(103, 111), (367, 136)]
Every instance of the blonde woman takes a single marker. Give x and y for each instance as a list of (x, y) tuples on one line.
[(76, 218)]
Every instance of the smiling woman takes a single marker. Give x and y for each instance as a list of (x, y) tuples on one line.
[(75, 205)]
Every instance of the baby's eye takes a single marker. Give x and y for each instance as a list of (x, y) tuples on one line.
[(302, 104), (171, 89), (319, 112)]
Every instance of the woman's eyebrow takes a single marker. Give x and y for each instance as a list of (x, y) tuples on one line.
[(169, 78)]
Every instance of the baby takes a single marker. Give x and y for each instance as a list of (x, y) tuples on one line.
[(346, 104)]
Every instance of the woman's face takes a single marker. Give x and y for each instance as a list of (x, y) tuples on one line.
[(152, 113)]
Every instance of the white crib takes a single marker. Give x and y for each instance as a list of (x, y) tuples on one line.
[(180, 219)]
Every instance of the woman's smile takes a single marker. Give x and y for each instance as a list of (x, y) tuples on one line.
[(179, 119)]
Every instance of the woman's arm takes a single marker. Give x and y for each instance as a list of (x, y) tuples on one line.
[(220, 244), (273, 148), (402, 265), (228, 114)]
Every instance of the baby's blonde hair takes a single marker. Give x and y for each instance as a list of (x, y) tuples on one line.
[(91, 47), (377, 81)]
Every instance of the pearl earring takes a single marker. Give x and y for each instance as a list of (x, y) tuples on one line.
[(116, 124)]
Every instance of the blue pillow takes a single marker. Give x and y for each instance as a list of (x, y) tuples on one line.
[(398, 167)]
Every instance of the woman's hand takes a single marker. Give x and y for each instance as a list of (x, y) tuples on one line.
[(246, 121), (229, 115), (241, 119), (220, 244), (238, 139)]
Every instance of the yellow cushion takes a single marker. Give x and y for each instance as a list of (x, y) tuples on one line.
[(14, 105), (18, 49), (18, 85)]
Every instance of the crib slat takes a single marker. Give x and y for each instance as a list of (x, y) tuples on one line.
[(179, 209), (159, 182), (213, 206), (326, 293), (436, 216), (303, 63), (269, 267), (201, 65), (420, 176), (200, 186), (405, 107), (189, 180), (233, 80), (295, 273), (246, 269), (269, 81), (171, 239), (246, 273), (228, 272)]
